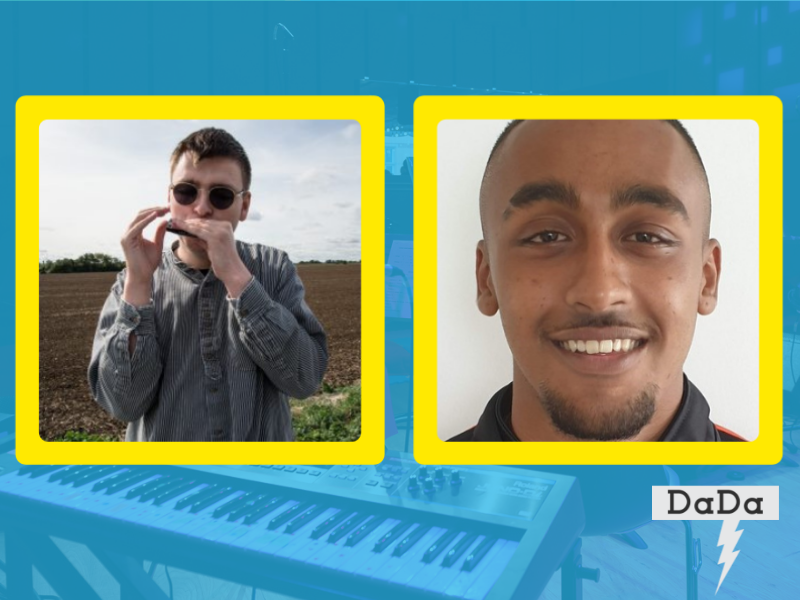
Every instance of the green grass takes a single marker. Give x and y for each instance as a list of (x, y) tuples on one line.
[(332, 417), (80, 436)]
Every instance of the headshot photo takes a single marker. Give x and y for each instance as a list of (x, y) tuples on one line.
[(598, 280), (200, 281)]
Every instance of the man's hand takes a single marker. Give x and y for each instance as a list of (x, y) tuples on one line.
[(220, 245), (142, 256)]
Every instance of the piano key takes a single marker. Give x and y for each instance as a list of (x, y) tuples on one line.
[(235, 503), (374, 563), (492, 572), (39, 470), (347, 526), (232, 530), (196, 524), (403, 567), (439, 545), (94, 476), (126, 482), (147, 485), (65, 472), (213, 499), (246, 507), (422, 577), (75, 475), (410, 540), (109, 481), (350, 556), (288, 515), (480, 551), (179, 490), (300, 538), (159, 488), (448, 574), (489, 548), (392, 536), (263, 510), (330, 523), (456, 551), (279, 543), (204, 492), (305, 518), (363, 531)]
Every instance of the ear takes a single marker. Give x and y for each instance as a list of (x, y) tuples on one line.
[(487, 299), (245, 206), (712, 268)]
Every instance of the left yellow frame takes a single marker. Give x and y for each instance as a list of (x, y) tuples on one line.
[(31, 111)]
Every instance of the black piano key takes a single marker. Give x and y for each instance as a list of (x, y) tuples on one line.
[(329, 524), (412, 538), (60, 475), (456, 551), (439, 545), (233, 504), (213, 499), (94, 476), (38, 470), (390, 536), (363, 531), (146, 487), (75, 475), (155, 491), (304, 519), (248, 507), (476, 555), (288, 515), (130, 478), (346, 527), (197, 496), (174, 492), (263, 510)]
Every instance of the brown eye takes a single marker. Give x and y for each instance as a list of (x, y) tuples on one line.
[(547, 237)]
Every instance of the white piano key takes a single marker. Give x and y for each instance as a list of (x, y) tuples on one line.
[(425, 575), (466, 579), (399, 567), (492, 572), (448, 574)]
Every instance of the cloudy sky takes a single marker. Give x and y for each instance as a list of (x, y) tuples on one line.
[(95, 176)]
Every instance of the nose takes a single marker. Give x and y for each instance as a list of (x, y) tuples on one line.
[(202, 206), (599, 280)]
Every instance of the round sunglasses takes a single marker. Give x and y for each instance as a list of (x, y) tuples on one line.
[(221, 197)]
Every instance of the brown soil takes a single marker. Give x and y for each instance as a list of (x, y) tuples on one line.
[(69, 306)]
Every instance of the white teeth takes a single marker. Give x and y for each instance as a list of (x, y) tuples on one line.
[(600, 346)]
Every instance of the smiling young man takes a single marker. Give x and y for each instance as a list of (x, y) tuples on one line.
[(596, 254), (205, 341)]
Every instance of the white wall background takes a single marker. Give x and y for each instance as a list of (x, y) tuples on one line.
[(473, 358)]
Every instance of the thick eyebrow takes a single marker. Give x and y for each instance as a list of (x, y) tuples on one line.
[(657, 196), (550, 190)]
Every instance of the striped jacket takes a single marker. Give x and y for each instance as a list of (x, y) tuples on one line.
[(207, 367)]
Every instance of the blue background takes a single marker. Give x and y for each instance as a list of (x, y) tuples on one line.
[(400, 51)]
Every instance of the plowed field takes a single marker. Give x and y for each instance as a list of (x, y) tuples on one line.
[(69, 306)]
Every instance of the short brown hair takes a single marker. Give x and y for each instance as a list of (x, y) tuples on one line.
[(213, 143)]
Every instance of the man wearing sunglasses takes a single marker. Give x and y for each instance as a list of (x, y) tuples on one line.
[(207, 340)]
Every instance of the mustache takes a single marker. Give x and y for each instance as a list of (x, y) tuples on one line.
[(601, 320)]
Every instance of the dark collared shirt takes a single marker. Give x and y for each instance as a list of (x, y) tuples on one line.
[(691, 423), (207, 367)]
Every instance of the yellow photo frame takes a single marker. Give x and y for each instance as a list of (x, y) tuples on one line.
[(32, 111), (765, 111)]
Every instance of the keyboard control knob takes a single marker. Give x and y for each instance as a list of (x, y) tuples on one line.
[(438, 475), (422, 473), (455, 478), (413, 484), (427, 486)]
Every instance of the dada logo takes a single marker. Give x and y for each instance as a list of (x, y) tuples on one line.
[(710, 503)]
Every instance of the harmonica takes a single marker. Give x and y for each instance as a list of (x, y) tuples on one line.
[(172, 229)]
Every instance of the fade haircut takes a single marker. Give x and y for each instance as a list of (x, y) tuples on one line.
[(213, 143), (674, 123)]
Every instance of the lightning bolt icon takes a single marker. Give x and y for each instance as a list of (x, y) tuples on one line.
[(728, 538)]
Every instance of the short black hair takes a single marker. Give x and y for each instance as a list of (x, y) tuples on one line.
[(674, 123)]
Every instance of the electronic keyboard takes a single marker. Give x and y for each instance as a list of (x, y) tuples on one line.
[(396, 529)]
